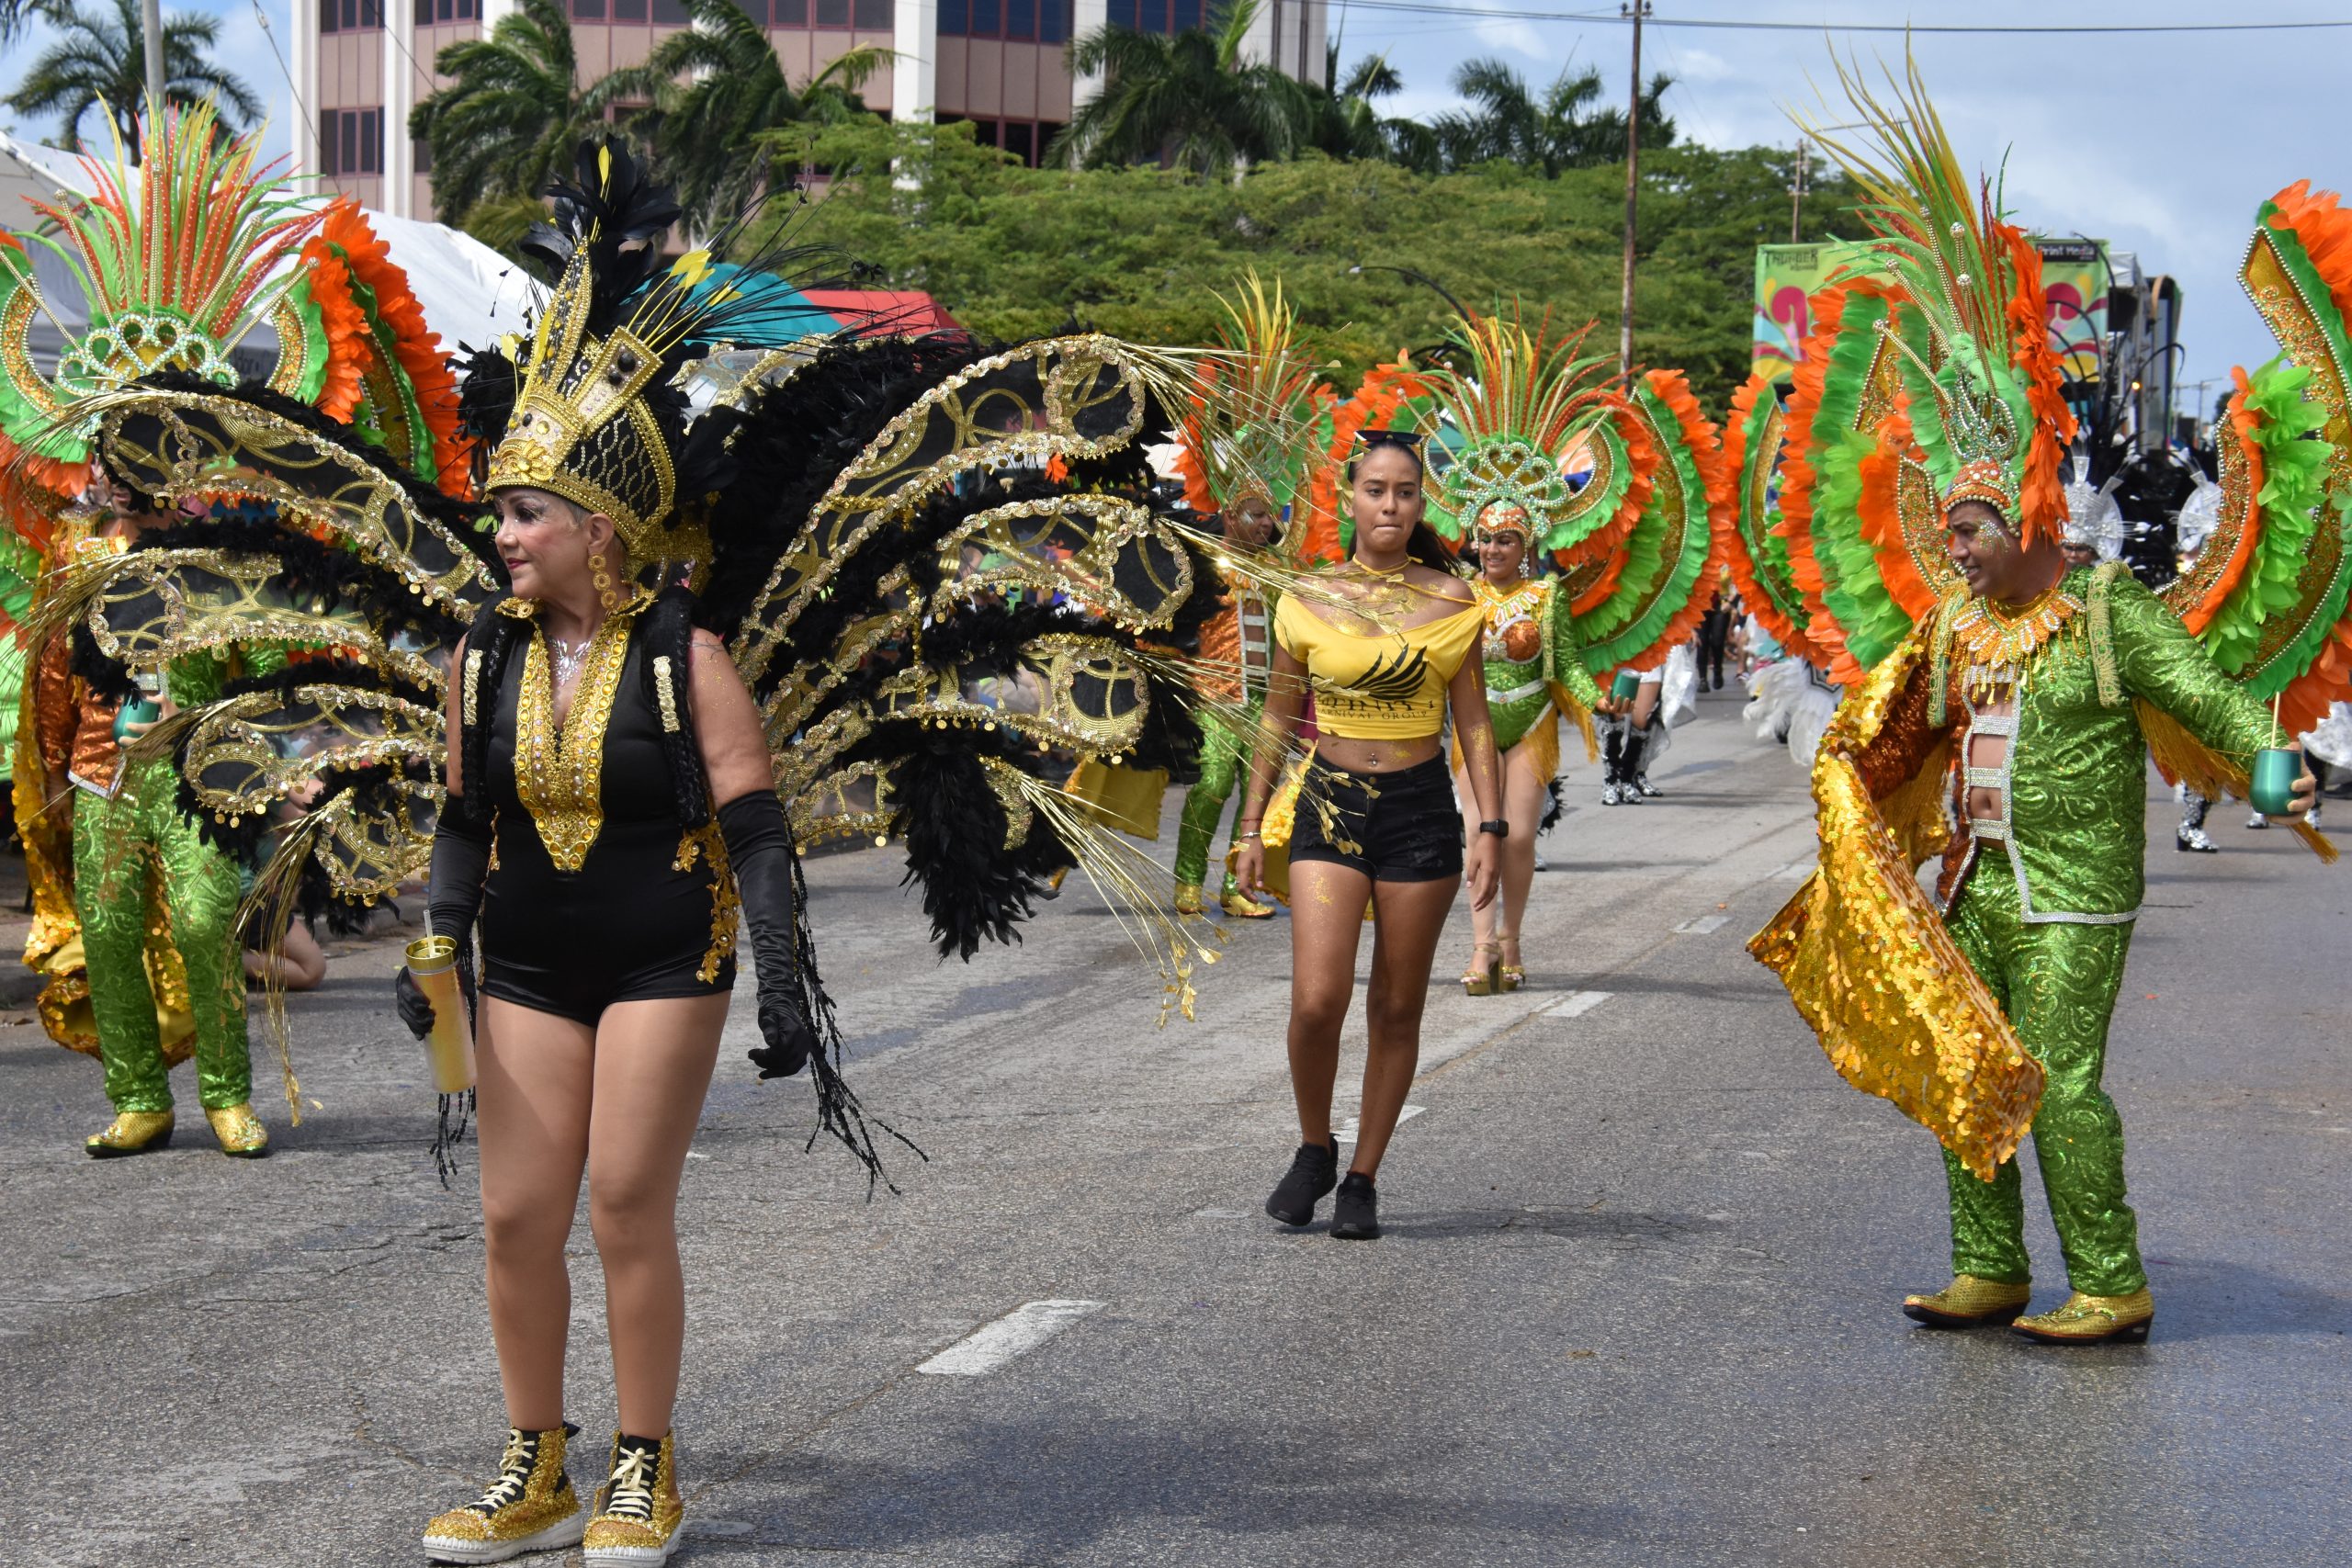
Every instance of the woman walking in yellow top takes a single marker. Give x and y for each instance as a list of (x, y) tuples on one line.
[(1385, 651)]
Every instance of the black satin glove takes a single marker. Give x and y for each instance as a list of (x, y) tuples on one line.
[(452, 900), (760, 851)]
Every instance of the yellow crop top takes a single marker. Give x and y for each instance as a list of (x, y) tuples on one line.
[(1378, 685)]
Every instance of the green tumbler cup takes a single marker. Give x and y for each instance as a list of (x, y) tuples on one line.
[(2272, 787), (139, 710), (1627, 686)]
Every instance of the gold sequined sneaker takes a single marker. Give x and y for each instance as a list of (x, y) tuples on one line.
[(2093, 1320), (132, 1133), (1969, 1302), (239, 1131), (530, 1507), (1188, 897), (638, 1512)]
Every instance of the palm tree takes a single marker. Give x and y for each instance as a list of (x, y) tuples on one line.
[(1563, 129), (513, 114), (100, 62), (1190, 100), (717, 89), (1348, 124)]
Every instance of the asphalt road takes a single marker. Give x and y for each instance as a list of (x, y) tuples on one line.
[(1636, 1303)]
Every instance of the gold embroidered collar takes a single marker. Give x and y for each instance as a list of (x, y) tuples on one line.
[(1983, 634), (559, 770)]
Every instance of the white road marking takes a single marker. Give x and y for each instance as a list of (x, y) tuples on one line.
[(1017, 1332), (1576, 1004), (1354, 1125), (1798, 869), (696, 1153), (1703, 924)]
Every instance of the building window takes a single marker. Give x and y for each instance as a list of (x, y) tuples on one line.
[(833, 16), (1171, 16), (1024, 138), (1023, 21), (420, 152), (428, 12), (351, 141), (349, 16)]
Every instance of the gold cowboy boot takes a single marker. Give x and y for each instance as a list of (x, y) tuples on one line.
[(132, 1133), (1969, 1302), (2093, 1320), (1188, 897), (239, 1131), (638, 1512), (530, 1507)]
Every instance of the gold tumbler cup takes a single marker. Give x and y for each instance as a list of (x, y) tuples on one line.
[(432, 962)]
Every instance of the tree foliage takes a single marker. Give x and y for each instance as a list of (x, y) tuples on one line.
[(98, 61), (512, 113), (716, 91), (1570, 125), (1141, 252), (1188, 98)]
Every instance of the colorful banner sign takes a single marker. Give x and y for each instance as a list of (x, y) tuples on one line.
[(2074, 277)]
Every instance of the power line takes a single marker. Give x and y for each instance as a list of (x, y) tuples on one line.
[(1731, 24)]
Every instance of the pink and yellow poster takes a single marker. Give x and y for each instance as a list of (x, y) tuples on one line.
[(2074, 279)]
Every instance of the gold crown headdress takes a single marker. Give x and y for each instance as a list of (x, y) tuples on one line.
[(596, 416), (1257, 402), (173, 259), (1984, 390), (1516, 408)]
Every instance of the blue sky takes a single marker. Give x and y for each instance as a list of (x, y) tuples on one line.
[(2163, 144)]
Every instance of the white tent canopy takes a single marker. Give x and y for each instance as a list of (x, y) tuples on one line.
[(470, 293)]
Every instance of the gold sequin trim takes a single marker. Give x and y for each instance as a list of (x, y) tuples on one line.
[(726, 903), (661, 690), (473, 684), (559, 771)]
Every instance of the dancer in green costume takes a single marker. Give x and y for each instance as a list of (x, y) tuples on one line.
[(1241, 458), (223, 248), (1237, 645), (2004, 705)]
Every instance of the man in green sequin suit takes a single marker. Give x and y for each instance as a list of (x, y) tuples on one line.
[(2041, 676), (129, 831)]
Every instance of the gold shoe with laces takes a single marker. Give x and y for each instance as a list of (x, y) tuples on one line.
[(2093, 1320), (1510, 976), (1188, 897), (132, 1133), (638, 1512), (239, 1130), (1969, 1302), (530, 1507)]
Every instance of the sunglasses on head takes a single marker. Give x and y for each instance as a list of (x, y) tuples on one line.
[(1408, 439)]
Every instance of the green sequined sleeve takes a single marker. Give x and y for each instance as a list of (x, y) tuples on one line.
[(198, 678), (1568, 659), (2163, 666)]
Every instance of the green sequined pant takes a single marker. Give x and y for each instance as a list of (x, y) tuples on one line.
[(2057, 982), (1225, 744), (117, 845)]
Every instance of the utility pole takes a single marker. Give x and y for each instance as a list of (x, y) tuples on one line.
[(1634, 10), (151, 27), (1796, 193)]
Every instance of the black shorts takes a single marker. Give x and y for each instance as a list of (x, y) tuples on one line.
[(1399, 827)]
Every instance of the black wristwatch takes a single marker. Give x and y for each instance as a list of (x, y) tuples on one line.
[(1499, 828)]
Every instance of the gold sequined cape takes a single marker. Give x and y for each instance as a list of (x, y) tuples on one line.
[(1863, 950)]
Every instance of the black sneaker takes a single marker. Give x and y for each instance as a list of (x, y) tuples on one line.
[(1314, 1170), (1355, 1216)]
